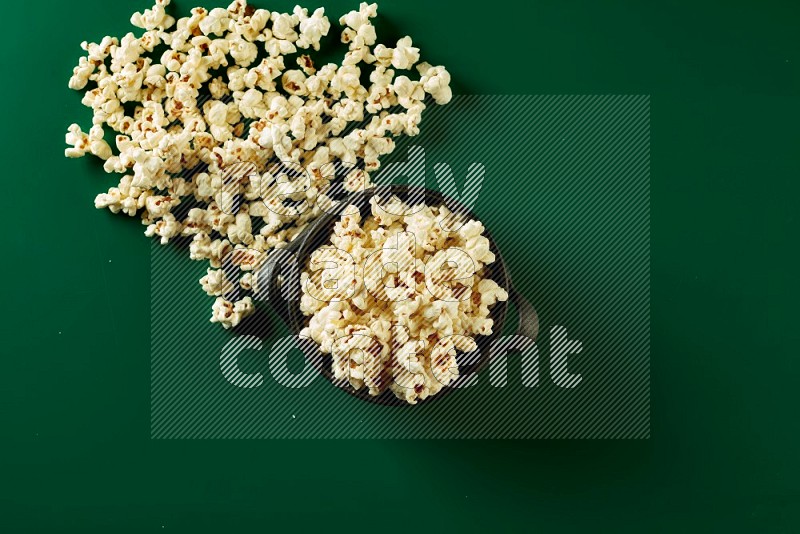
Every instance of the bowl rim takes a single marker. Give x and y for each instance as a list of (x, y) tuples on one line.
[(315, 236)]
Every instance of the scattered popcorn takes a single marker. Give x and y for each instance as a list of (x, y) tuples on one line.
[(220, 94), (79, 140), (313, 28), (215, 283), (398, 328), (230, 314), (436, 82), (153, 18)]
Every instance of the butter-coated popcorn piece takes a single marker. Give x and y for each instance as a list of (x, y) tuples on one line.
[(251, 103), (312, 28), (79, 140), (97, 145), (218, 88), (158, 206), (490, 292), (127, 52), (154, 18), (167, 228), (241, 230), (149, 40), (408, 92), (404, 56), (81, 74), (250, 282), (263, 75), (230, 314), (96, 52), (294, 82), (436, 82), (306, 64), (283, 26), (215, 283), (248, 22), (203, 247), (383, 55), (243, 51), (347, 80), (216, 22), (356, 19), (279, 47), (112, 200)]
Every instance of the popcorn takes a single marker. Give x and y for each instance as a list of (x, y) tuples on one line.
[(356, 19), (79, 140), (230, 314), (154, 18), (218, 88), (248, 22), (294, 82), (264, 74), (399, 329), (243, 51), (204, 103), (216, 23), (81, 74), (404, 56), (241, 230), (408, 92), (251, 103), (312, 28), (348, 80), (126, 53), (215, 283), (167, 228), (436, 82)]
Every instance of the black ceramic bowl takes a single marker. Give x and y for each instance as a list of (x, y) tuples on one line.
[(319, 233)]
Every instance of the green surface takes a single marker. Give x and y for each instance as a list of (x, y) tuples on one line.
[(74, 404)]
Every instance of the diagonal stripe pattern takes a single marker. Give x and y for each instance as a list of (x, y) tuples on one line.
[(565, 193)]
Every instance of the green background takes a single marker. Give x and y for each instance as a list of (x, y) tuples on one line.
[(74, 404)]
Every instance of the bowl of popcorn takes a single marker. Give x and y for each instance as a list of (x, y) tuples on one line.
[(402, 291), (397, 295)]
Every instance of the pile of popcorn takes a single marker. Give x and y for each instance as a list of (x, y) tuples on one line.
[(204, 106), (394, 296)]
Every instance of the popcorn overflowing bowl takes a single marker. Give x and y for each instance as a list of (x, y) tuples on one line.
[(192, 102), (364, 372)]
